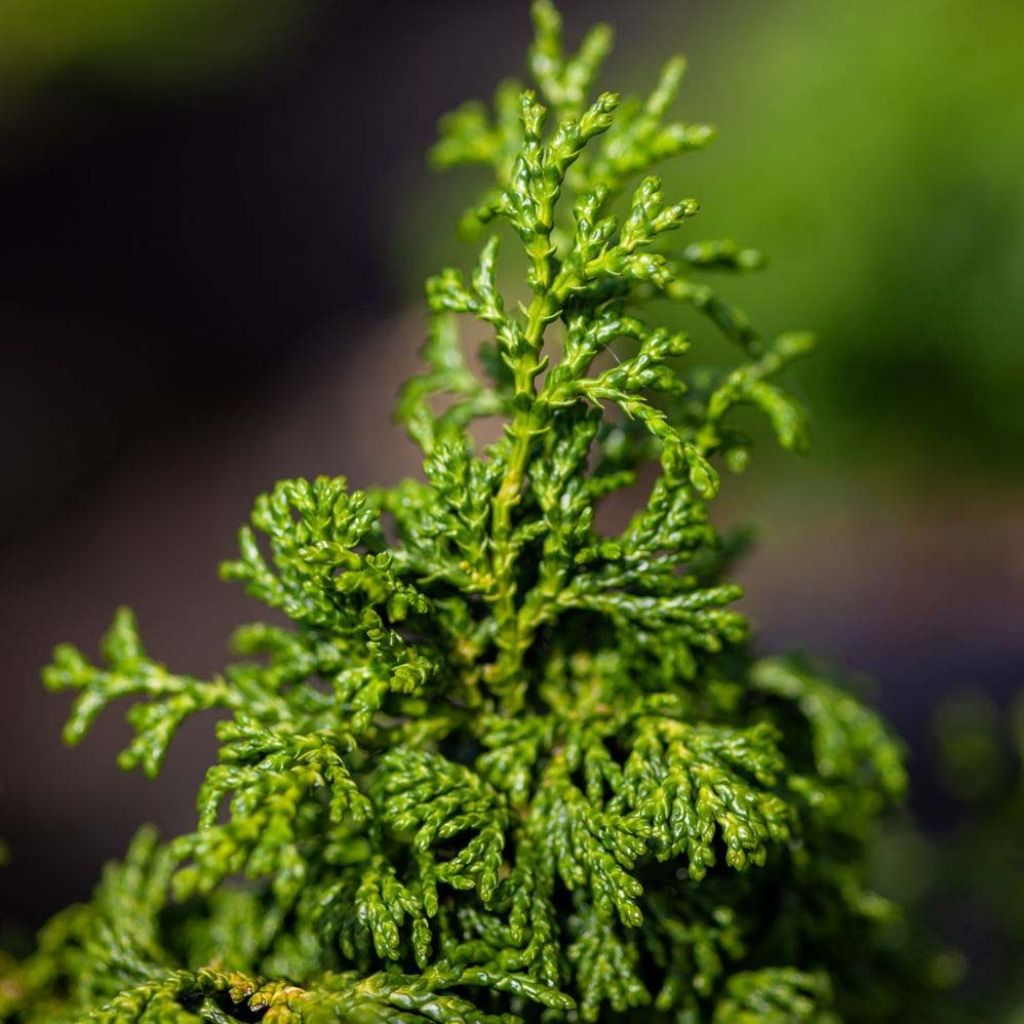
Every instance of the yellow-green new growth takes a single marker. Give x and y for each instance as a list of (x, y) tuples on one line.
[(546, 780)]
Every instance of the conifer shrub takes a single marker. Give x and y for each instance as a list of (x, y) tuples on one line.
[(502, 764)]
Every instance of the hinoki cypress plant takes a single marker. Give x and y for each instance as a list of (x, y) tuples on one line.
[(501, 764)]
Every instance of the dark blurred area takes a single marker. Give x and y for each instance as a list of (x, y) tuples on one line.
[(215, 216)]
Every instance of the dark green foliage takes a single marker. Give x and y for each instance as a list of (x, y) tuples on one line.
[(974, 882), (503, 765)]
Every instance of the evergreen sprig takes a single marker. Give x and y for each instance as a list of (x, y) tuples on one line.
[(503, 764)]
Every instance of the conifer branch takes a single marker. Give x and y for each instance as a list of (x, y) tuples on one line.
[(500, 765)]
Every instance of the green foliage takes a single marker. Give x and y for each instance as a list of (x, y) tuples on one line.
[(975, 873), (146, 47), (822, 169), (503, 764)]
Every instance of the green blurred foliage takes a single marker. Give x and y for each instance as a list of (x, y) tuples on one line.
[(875, 150), (148, 45), (972, 761), (974, 893)]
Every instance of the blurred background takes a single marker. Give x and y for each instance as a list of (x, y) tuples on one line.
[(215, 218)]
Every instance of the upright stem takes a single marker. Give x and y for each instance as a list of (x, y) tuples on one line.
[(523, 428)]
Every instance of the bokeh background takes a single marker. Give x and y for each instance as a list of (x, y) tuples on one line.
[(214, 220)]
